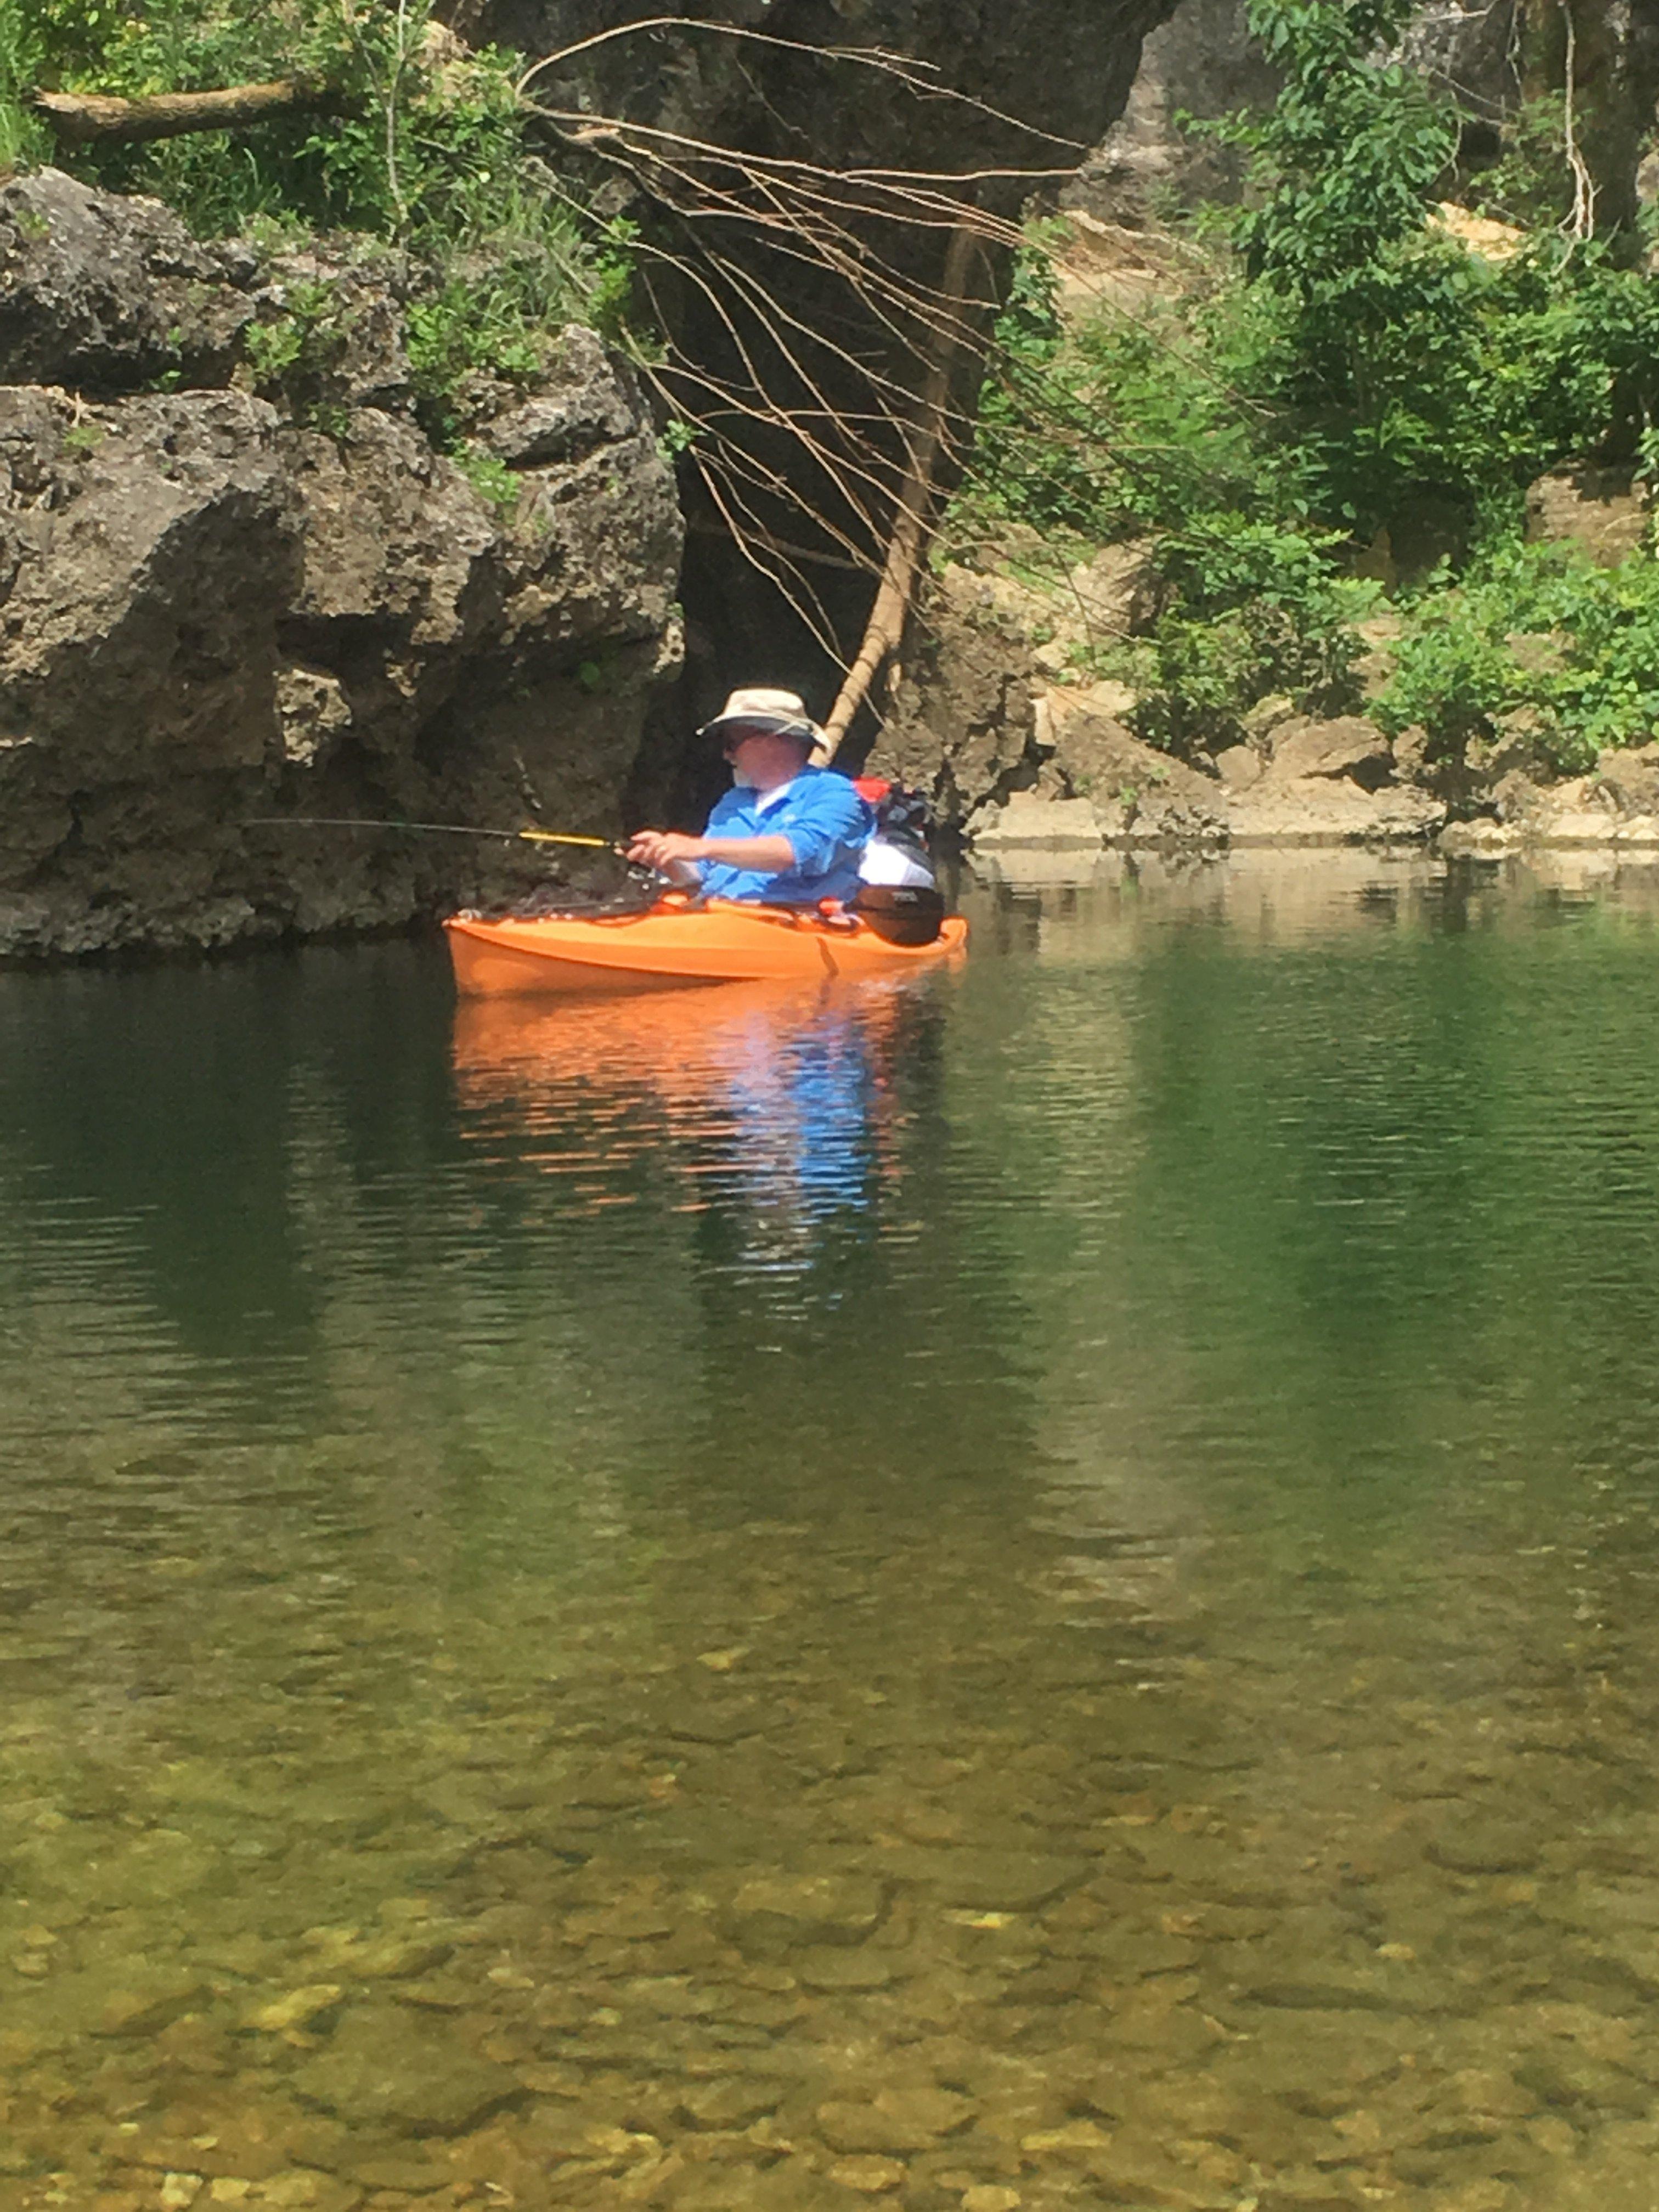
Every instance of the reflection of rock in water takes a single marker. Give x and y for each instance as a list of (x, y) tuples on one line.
[(1100, 907)]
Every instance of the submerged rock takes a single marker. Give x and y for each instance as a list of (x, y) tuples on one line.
[(730, 2100), (388, 2069), (777, 1910), (894, 2120)]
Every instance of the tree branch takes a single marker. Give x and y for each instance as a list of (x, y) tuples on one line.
[(81, 118)]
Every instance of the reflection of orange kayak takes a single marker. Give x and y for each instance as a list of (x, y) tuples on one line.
[(682, 1046), (673, 942), (779, 1096)]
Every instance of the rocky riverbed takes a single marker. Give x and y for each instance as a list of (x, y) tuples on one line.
[(746, 1927)]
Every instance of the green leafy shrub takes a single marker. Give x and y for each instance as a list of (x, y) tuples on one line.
[(418, 145), (498, 310), (401, 148), (1401, 363), (302, 343), (1254, 609), (1348, 367), (1112, 426), (1539, 630)]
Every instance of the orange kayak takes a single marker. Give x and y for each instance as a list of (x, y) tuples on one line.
[(672, 943)]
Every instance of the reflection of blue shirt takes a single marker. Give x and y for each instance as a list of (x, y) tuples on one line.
[(826, 824)]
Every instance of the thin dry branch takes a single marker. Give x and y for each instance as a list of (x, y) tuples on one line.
[(917, 76), (825, 243), (870, 466), (859, 459), (791, 420), (584, 129), (1581, 223)]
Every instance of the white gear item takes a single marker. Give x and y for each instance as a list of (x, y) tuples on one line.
[(885, 860)]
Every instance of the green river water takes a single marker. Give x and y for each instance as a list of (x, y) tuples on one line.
[(1035, 1586)]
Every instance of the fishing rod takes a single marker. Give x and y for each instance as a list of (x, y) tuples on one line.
[(431, 829)]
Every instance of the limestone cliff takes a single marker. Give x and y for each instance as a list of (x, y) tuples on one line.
[(211, 612), (215, 610)]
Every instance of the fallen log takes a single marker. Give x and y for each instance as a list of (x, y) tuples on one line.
[(84, 118), (885, 632)]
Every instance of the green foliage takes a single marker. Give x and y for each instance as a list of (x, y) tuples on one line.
[(497, 312), (296, 356), (1115, 426), (1395, 360), (1539, 632), (1349, 368), (676, 437), (608, 274), (308, 332), (493, 482), (404, 149), (1252, 609), (1531, 184), (1340, 165), (461, 328)]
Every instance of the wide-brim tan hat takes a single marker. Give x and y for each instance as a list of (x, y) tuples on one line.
[(783, 713)]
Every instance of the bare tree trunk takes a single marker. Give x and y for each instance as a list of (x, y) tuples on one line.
[(885, 632), (81, 118)]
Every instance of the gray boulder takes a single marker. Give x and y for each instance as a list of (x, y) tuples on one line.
[(584, 405), (102, 292), (1320, 810), (349, 305), (398, 575), (962, 721), (149, 547)]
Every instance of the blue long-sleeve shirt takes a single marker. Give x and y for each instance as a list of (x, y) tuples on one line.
[(826, 824)]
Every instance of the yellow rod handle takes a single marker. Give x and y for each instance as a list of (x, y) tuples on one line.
[(563, 837)]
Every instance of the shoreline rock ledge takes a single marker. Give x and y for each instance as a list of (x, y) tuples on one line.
[(1613, 809), (1076, 777)]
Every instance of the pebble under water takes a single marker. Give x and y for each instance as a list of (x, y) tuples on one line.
[(1033, 1587)]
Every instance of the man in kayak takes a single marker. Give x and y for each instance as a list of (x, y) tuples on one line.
[(787, 834)]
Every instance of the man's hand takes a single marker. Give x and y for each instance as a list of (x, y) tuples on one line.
[(661, 848), (675, 855)]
